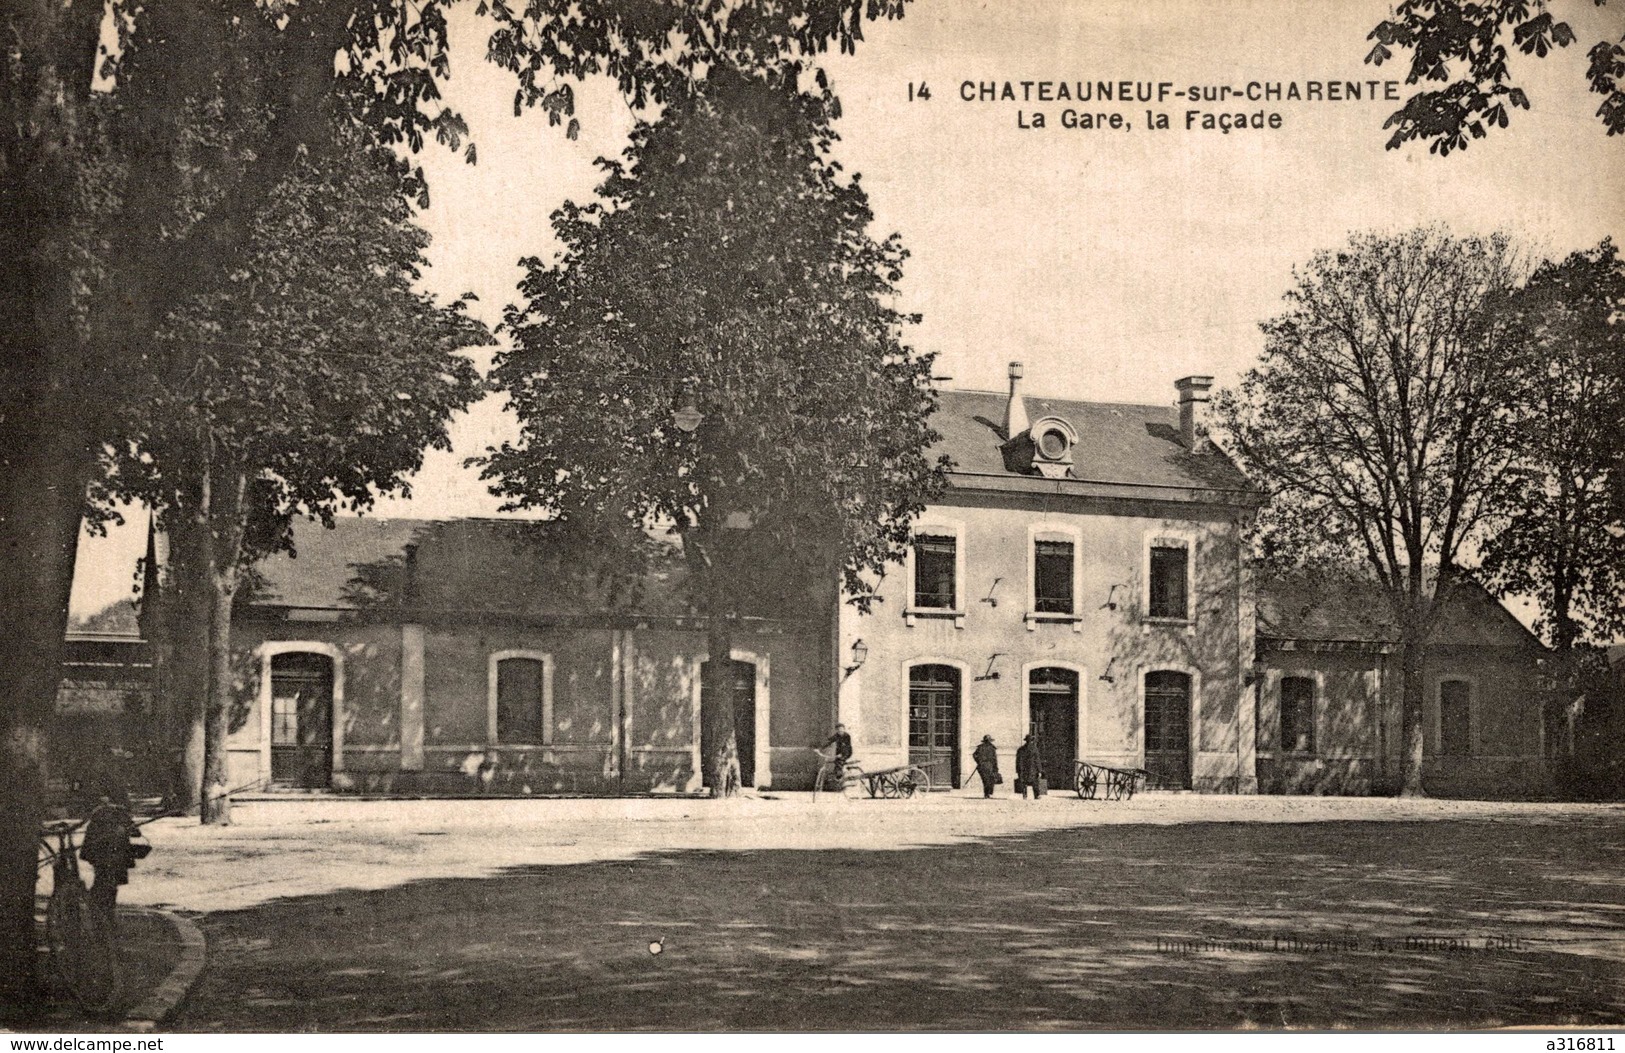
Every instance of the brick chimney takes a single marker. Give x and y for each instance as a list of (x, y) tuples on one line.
[(1015, 414), (1193, 400)]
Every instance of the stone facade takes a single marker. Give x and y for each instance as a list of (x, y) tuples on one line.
[(1116, 483), (1483, 723), (377, 661)]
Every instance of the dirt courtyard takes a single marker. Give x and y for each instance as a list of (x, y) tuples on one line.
[(1169, 911)]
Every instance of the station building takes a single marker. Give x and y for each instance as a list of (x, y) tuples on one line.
[(1084, 579)]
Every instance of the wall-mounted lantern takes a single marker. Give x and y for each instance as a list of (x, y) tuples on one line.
[(860, 655)]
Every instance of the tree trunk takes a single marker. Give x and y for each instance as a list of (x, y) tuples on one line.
[(1412, 697), (717, 707), (719, 752), (224, 539), (45, 469), (217, 718), (186, 677)]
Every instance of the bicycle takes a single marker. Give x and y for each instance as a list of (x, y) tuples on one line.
[(81, 942), (835, 775)]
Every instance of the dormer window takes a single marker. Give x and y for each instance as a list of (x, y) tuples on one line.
[(1050, 442)]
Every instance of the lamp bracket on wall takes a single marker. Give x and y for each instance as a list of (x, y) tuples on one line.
[(1106, 674), (1111, 599), (988, 599), (991, 673)]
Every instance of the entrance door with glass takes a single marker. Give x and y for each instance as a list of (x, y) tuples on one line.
[(933, 722)]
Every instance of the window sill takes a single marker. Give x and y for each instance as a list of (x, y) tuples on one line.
[(1034, 617), (911, 613), (1149, 622)]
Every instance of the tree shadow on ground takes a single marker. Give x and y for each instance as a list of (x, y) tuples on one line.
[(1055, 929)]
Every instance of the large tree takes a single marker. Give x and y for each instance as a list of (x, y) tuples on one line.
[(1379, 423), (85, 305), (319, 377), (1460, 50), (1565, 548), (717, 349)]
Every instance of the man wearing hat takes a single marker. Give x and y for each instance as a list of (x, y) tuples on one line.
[(986, 757), (1029, 769)]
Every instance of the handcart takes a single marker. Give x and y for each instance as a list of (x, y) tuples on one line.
[(1119, 783), (904, 780)]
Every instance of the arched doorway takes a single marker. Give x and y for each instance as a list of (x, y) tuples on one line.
[(1052, 707), (740, 684), (1168, 730), (933, 722), (301, 719)]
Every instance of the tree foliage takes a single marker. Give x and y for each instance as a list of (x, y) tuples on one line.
[(1460, 49), (316, 367), (1379, 420), (727, 268), (1566, 545)]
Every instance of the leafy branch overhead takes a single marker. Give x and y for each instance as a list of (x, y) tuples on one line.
[(1460, 49), (316, 365)]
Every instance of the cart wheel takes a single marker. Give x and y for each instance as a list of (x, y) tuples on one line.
[(1088, 782), (887, 784), (915, 780)]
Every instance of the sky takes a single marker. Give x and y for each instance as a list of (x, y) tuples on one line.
[(1109, 261)]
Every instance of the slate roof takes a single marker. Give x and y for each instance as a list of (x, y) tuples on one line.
[(457, 565), (1335, 608), (1117, 442)]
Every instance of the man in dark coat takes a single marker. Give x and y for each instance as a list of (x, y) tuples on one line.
[(986, 757), (1028, 768), (110, 846), (836, 767), (842, 743)]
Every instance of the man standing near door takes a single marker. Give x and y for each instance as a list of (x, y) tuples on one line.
[(1029, 769), (986, 757)]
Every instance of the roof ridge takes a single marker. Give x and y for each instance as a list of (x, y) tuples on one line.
[(1057, 398)]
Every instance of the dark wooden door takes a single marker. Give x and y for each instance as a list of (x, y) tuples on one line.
[(301, 720), (1052, 702), (741, 688), (1168, 730), (933, 722)]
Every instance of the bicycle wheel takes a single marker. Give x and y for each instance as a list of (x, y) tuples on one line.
[(81, 944)]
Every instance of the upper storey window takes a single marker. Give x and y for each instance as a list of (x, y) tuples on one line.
[(1052, 577), (936, 563), (1169, 586)]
